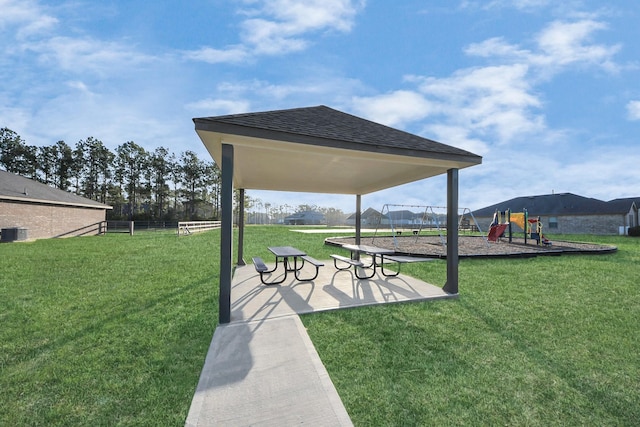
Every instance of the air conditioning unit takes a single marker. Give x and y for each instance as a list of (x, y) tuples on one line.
[(14, 234)]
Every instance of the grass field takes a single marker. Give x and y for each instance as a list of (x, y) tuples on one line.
[(109, 330), (542, 341), (113, 330)]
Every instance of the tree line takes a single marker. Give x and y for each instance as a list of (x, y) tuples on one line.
[(138, 184), (153, 185)]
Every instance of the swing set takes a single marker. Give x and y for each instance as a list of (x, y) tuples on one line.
[(431, 217)]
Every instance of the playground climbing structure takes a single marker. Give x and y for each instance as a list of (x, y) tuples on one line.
[(502, 221)]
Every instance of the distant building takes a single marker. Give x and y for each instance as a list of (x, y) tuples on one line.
[(40, 211), (369, 217), (567, 213), (305, 218), (402, 218)]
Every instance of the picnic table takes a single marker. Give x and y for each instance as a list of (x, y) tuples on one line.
[(354, 259), (284, 254)]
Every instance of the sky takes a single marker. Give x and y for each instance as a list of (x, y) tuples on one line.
[(547, 92)]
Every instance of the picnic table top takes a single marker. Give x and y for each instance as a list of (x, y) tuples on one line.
[(286, 251), (368, 249)]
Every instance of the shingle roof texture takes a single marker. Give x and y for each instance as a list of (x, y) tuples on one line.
[(18, 187), (326, 123), (558, 204)]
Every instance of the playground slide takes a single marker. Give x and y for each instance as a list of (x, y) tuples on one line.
[(496, 231)]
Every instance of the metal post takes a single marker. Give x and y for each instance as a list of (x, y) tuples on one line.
[(526, 226), (452, 232), (358, 222), (241, 228), (226, 235), (358, 218)]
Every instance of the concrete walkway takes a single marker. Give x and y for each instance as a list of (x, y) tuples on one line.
[(268, 374), (262, 368)]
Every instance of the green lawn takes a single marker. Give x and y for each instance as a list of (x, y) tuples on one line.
[(109, 330), (113, 330), (542, 341)]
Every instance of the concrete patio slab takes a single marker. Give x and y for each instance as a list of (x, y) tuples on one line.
[(331, 290), (262, 368)]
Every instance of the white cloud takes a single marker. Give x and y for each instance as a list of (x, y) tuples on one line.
[(495, 103), (267, 95), (276, 27), (272, 38), (479, 106), (516, 4), (565, 43), (79, 85), (210, 55), (215, 107), (25, 15), (78, 55), (457, 136), (633, 110), (296, 17), (469, 109), (29, 33), (497, 47), (558, 46), (395, 108)]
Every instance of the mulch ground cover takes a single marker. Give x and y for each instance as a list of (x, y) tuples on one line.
[(473, 246)]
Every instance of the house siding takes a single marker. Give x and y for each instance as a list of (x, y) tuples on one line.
[(46, 220)]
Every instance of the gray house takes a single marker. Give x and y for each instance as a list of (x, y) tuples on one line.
[(32, 210), (402, 218), (369, 217), (567, 213), (305, 218)]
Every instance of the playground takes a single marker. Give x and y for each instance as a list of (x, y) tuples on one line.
[(531, 227), (430, 246), (423, 234)]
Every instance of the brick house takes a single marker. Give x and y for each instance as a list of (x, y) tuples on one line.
[(567, 213), (41, 211)]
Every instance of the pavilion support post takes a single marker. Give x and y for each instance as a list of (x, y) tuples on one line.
[(226, 235), (358, 218), (452, 232), (241, 228), (358, 222)]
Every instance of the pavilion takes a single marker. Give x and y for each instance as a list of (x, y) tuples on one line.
[(322, 150)]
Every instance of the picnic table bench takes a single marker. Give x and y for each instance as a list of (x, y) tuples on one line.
[(375, 252), (355, 261), (284, 253)]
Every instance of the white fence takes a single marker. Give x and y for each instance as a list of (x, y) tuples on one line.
[(190, 227)]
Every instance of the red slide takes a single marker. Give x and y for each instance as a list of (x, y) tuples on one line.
[(496, 231)]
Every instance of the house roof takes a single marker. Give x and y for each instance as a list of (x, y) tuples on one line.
[(20, 189), (322, 150), (624, 205), (558, 204), (368, 213), (305, 214), (549, 204), (400, 215)]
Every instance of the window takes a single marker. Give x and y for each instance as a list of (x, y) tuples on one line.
[(553, 222)]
